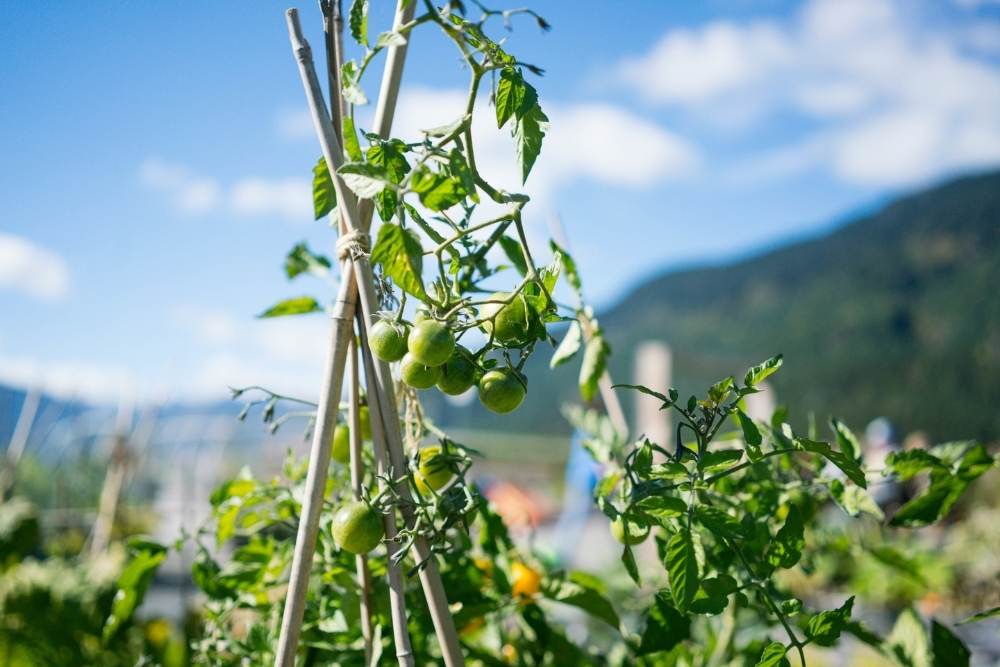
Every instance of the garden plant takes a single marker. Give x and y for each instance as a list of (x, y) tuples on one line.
[(378, 549)]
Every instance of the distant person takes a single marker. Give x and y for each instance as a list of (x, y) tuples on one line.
[(880, 441), (582, 475)]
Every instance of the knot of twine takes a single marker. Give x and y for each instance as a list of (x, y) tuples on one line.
[(353, 245)]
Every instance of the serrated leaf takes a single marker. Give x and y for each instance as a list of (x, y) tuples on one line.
[(719, 459), (301, 260), (665, 628), (982, 616), (662, 508), (324, 194), (785, 549), (389, 38), (773, 656), (718, 522), (350, 87), (145, 559), (846, 440), (854, 500), (644, 390), (628, 560), (365, 180), (825, 627), (946, 486), (577, 594), (437, 190), (528, 134), (751, 434), (846, 464), (400, 254), (909, 642), (512, 248), (358, 21), (713, 596), (514, 95), (911, 462), (947, 649), (351, 146), (595, 359), (299, 305), (569, 345), (682, 569), (761, 371)]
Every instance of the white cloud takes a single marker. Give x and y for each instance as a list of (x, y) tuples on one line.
[(68, 378), (887, 101), (29, 268), (294, 124), (192, 193)]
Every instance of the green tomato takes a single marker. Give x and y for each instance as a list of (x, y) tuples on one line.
[(357, 527), (458, 373), (629, 532), (417, 374), (510, 323), (501, 390), (431, 342), (433, 471), (341, 449), (388, 340)]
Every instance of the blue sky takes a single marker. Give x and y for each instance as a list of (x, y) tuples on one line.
[(155, 159)]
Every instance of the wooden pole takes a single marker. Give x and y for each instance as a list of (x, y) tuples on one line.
[(319, 463), (382, 392), (18, 441), (114, 480)]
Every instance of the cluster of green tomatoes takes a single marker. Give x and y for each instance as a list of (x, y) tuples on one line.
[(429, 355)]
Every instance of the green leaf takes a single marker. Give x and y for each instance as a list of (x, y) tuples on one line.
[(891, 557), (982, 616), (825, 627), (299, 305), (301, 260), (575, 592), (569, 346), (437, 190), (718, 391), (751, 434), (628, 560), (946, 487), (846, 439), (719, 459), (846, 464), (682, 568), (324, 195), (718, 522), (569, 267), (644, 390), (528, 134), (665, 628), (399, 252), (948, 650), (351, 146), (909, 642), (911, 462), (358, 21), (365, 180), (349, 84), (785, 549), (389, 38), (662, 508), (595, 359), (854, 500), (512, 248), (514, 95), (713, 596), (773, 656), (132, 583), (758, 373)]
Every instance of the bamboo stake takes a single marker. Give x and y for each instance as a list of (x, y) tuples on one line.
[(430, 578), (114, 480), (319, 463), (18, 441), (357, 482), (397, 583)]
